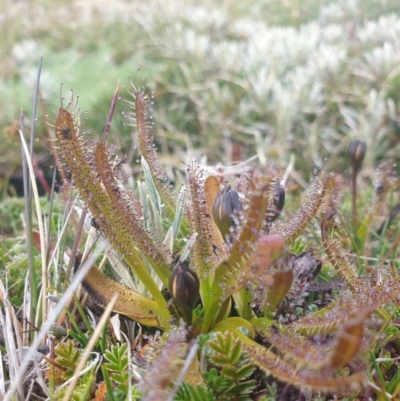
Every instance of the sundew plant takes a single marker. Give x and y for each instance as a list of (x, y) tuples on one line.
[(214, 292)]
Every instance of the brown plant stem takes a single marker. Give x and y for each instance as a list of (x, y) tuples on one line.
[(110, 114), (354, 197)]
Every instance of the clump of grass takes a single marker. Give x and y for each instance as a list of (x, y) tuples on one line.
[(275, 82)]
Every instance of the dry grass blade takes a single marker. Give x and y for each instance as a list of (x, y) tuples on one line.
[(41, 227), (7, 323), (2, 378), (51, 319)]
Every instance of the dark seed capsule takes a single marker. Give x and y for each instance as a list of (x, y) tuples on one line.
[(357, 150), (227, 203), (184, 288)]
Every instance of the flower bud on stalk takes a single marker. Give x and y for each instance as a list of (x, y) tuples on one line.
[(184, 288), (226, 204), (357, 150)]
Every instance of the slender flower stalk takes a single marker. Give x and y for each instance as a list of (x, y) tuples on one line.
[(357, 150)]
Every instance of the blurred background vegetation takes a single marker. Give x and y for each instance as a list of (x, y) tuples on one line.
[(272, 78)]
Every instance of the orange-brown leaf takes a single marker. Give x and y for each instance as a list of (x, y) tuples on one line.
[(278, 288), (100, 393), (348, 343)]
